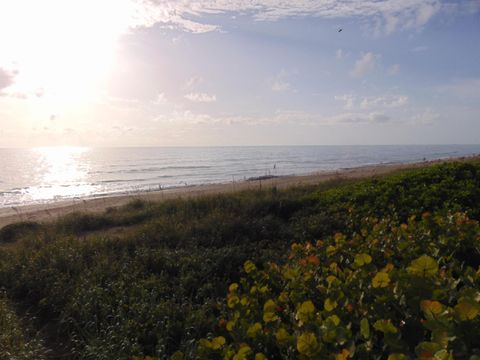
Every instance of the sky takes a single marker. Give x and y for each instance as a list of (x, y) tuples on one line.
[(239, 72)]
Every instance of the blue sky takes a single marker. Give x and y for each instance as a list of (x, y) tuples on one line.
[(260, 72)]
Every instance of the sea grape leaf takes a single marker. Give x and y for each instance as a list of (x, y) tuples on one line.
[(362, 259), (364, 328), (424, 266), (381, 280), (307, 344), (385, 326)]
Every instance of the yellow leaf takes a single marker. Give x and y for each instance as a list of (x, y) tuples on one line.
[(230, 325), (331, 250), (307, 344), (260, 356), (343, 355), (385, 326), (329, 304), (282, 336), (232, 301), (233, 287), (331, 279), (305, 311), (283, 297), (381, 279), (423, 266), (397, 356), (269, 316), (204, 343), (431, 307), (218, 342), (467, 310), (334, 319), (242, 353), (263, 289), (254, 329), (244, 301), (269, 305), (362, 259), (249, 266)]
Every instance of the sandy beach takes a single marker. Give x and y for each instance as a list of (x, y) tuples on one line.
[(54, 210)]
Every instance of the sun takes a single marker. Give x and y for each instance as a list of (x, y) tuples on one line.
[(63, 47)]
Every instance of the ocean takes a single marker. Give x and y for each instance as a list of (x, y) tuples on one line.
[(43, 175)]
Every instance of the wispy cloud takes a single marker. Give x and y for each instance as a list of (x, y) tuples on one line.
[(201, 97), (384, 101), (280, 83), (193, 82), (348, 99), (425, 117), (364, 65), (386, 16), (372, 102)]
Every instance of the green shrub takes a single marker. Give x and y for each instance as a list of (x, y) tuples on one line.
[(400, 291)]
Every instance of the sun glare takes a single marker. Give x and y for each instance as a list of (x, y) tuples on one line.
[(63, 47), (64, 174)]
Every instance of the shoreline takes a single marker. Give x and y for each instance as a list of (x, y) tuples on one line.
[(54, 210)]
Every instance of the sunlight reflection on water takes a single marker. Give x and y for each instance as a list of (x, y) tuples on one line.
[(63, 173)]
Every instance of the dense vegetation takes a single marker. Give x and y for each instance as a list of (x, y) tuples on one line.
[(150, 279)]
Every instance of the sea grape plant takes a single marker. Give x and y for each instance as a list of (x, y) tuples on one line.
[(391, 291)]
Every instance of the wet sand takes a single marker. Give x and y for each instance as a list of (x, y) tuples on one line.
[(54, 210)]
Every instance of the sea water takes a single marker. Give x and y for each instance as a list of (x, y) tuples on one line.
[(42, 175)]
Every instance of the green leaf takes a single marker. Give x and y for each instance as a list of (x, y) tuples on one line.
[(249, 266), (424, 266), (329, 304), (254, 329), (467, 309), (364, 328), (385, 326), (397, 356), (282, 336)]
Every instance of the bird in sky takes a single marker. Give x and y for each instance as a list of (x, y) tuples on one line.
[(340, 30)]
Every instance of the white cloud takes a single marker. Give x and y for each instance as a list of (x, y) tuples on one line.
[(280, 86), (372, 102), (348, 99), (193, 82), (201, 97), (279, 83), (426, 117), (394, 69), (364, 65), (384, 101), (387, 15), (360, 118), (161, 99)]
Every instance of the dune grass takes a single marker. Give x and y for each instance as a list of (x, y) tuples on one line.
[(148, 279)]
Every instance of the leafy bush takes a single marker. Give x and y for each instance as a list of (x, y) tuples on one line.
[(400, 291), (146, 279), (14, 344)]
